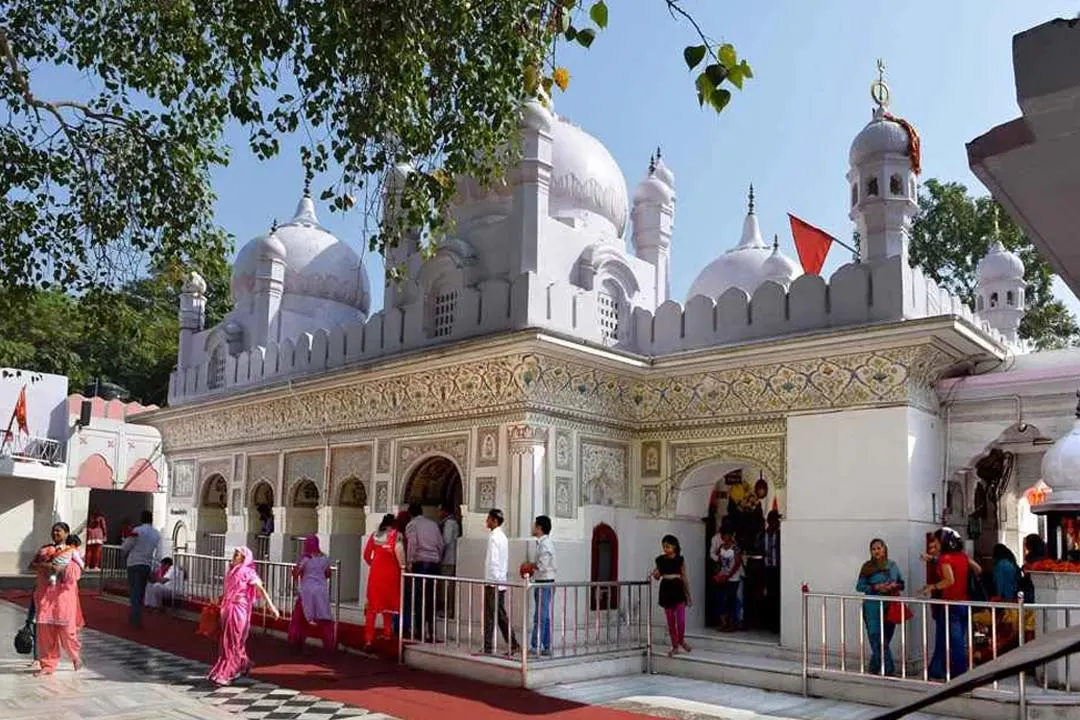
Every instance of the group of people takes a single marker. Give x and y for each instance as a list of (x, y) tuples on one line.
[(952, 576)]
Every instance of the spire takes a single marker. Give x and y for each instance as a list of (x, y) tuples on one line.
[(273, 226), (879, 91), (751, 203), (658, 153), (751, 231), (775, 243), (305, 210), (652, 163)]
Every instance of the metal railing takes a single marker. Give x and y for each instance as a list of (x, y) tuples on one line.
[(581, 619), (261, 548), (204, 578), (838, 630), (34, 449), (212, 544)]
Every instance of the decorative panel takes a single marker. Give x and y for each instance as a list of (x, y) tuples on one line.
[(487, 447), (604, 473)]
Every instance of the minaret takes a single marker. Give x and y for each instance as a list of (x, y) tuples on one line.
[(999, 288), (270, 285), (883, 179), (653, 214), (192, 317)]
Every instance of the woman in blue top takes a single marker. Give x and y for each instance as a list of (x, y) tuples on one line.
[(1006, 574), (879, 576)]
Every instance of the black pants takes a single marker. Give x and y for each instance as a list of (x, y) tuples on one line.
[(495, 606), (423, 598)]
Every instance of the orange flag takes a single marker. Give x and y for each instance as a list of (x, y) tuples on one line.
[(20, 412), (812, 244)]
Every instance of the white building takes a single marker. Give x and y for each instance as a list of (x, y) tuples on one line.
[(72, 459), (537, 363)]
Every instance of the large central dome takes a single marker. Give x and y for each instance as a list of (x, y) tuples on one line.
[(586, 182)]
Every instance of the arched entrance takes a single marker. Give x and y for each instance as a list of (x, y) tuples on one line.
[(604, 568), (180, 538), (351, 518), (260, 518), (433, 482), (211, 521), (741, 496), (301, 513)]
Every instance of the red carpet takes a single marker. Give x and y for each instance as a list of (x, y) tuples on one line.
[(376, 685)]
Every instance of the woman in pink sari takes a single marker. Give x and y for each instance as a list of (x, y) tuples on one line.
[(312, 605), (58, 611), (242, 588)]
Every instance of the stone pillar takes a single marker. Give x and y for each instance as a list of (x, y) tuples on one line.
[(528, 477), (278, 538)]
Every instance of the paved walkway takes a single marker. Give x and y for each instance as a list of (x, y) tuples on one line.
[(125, 680)]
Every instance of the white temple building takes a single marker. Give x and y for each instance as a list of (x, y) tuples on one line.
[(536, 362)]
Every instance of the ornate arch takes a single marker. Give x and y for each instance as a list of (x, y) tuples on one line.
[(351, 492), (215, 482), (297, 486), (253, 493), (601, 261), (413, 470), (766, 452)]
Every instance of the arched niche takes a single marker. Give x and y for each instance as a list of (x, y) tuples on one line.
[(260, 506), (301, 513), (211, 522), (350, 517), (433, 481), (179, 537), (604, 567)]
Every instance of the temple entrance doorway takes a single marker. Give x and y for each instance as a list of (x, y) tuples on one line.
[(351, 517), (435, 481), (210, 520), (739, 498), (260, 518), (301, 515)]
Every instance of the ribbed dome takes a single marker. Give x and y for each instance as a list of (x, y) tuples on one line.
[(586, 182), (317, 264), (779, 268), (1061, 471), (879, 137), (741, 266), (999, 264)]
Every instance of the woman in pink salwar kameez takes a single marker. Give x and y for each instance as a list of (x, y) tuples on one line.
[(312, 605), (58, 611), (242, 588)]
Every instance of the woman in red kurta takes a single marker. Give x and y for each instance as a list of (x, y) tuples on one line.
[(385, 555)]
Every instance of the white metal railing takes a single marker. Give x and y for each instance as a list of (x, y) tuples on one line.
[(212, 544), (262, 547), (839, 629), (34, 449), (582, 619), (204, 577)]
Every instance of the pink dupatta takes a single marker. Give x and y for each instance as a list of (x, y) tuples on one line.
[(240, 581)]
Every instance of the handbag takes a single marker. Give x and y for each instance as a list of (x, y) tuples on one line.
[(897, 612), (209, 621), (24, 639)]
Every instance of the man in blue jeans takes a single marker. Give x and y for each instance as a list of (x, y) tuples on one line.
[(423, 550), (543, 576), (141, 549)]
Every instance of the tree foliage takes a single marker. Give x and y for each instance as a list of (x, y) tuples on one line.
[(953, 231), (95, 190)]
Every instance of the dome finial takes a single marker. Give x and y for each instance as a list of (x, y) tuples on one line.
[(775, 242), (652, 164), (273, 226), (879, 90), (751, 202), (658, 154)]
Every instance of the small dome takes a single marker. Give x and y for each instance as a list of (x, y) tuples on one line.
[(653, 189), (586, 182), (741, 266), (663, 173), (880, 137), (194, 284), (1000, 264), (1061, 471), (779, 268), (317, 264)]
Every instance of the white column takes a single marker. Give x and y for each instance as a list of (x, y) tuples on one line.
[(528, 477)]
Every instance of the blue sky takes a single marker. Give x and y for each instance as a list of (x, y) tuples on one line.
[(949, 67)]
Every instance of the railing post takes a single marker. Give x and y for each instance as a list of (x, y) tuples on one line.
[(401, 621), (648, 631), (526, 638), (336, 576), (1021, 679), (805, 640)]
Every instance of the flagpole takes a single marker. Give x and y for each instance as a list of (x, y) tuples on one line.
[(11, 422)]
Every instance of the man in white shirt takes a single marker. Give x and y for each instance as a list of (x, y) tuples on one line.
[(543, 576), (141, 549), (495, 569), (451, 531)]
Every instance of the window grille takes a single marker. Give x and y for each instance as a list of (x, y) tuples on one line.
[(609, 308), (442, 313)]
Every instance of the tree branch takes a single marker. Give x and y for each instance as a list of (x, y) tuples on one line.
[(678, 11)]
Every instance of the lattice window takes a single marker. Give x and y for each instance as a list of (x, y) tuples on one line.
[(443, 305), (609, 309), (216, 374)]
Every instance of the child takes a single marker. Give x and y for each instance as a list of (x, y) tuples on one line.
[(729, 560), (674, 593)]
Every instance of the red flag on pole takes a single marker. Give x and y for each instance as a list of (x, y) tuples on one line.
[(812, 244), (20, 412)]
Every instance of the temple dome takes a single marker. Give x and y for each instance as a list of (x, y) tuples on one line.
[(779, 268), (317, 264), (1061, 471), (1000, 264), (742, 266), (881, 136), (586, 182)]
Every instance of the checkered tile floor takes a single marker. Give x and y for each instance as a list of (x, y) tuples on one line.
[(249, 698)]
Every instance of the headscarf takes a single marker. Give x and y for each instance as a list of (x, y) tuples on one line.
[(873, 566), (240, 579), (311, 546)]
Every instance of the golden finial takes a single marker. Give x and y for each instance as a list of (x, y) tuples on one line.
[(751, 198), (879, 90)]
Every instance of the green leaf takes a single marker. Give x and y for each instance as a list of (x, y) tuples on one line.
[(727, 55), (746, 71), (599, 14), (585, 37), (716, 74), (570, 34), (735, 77), (564, 21), (719, 99), (693, 55)]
